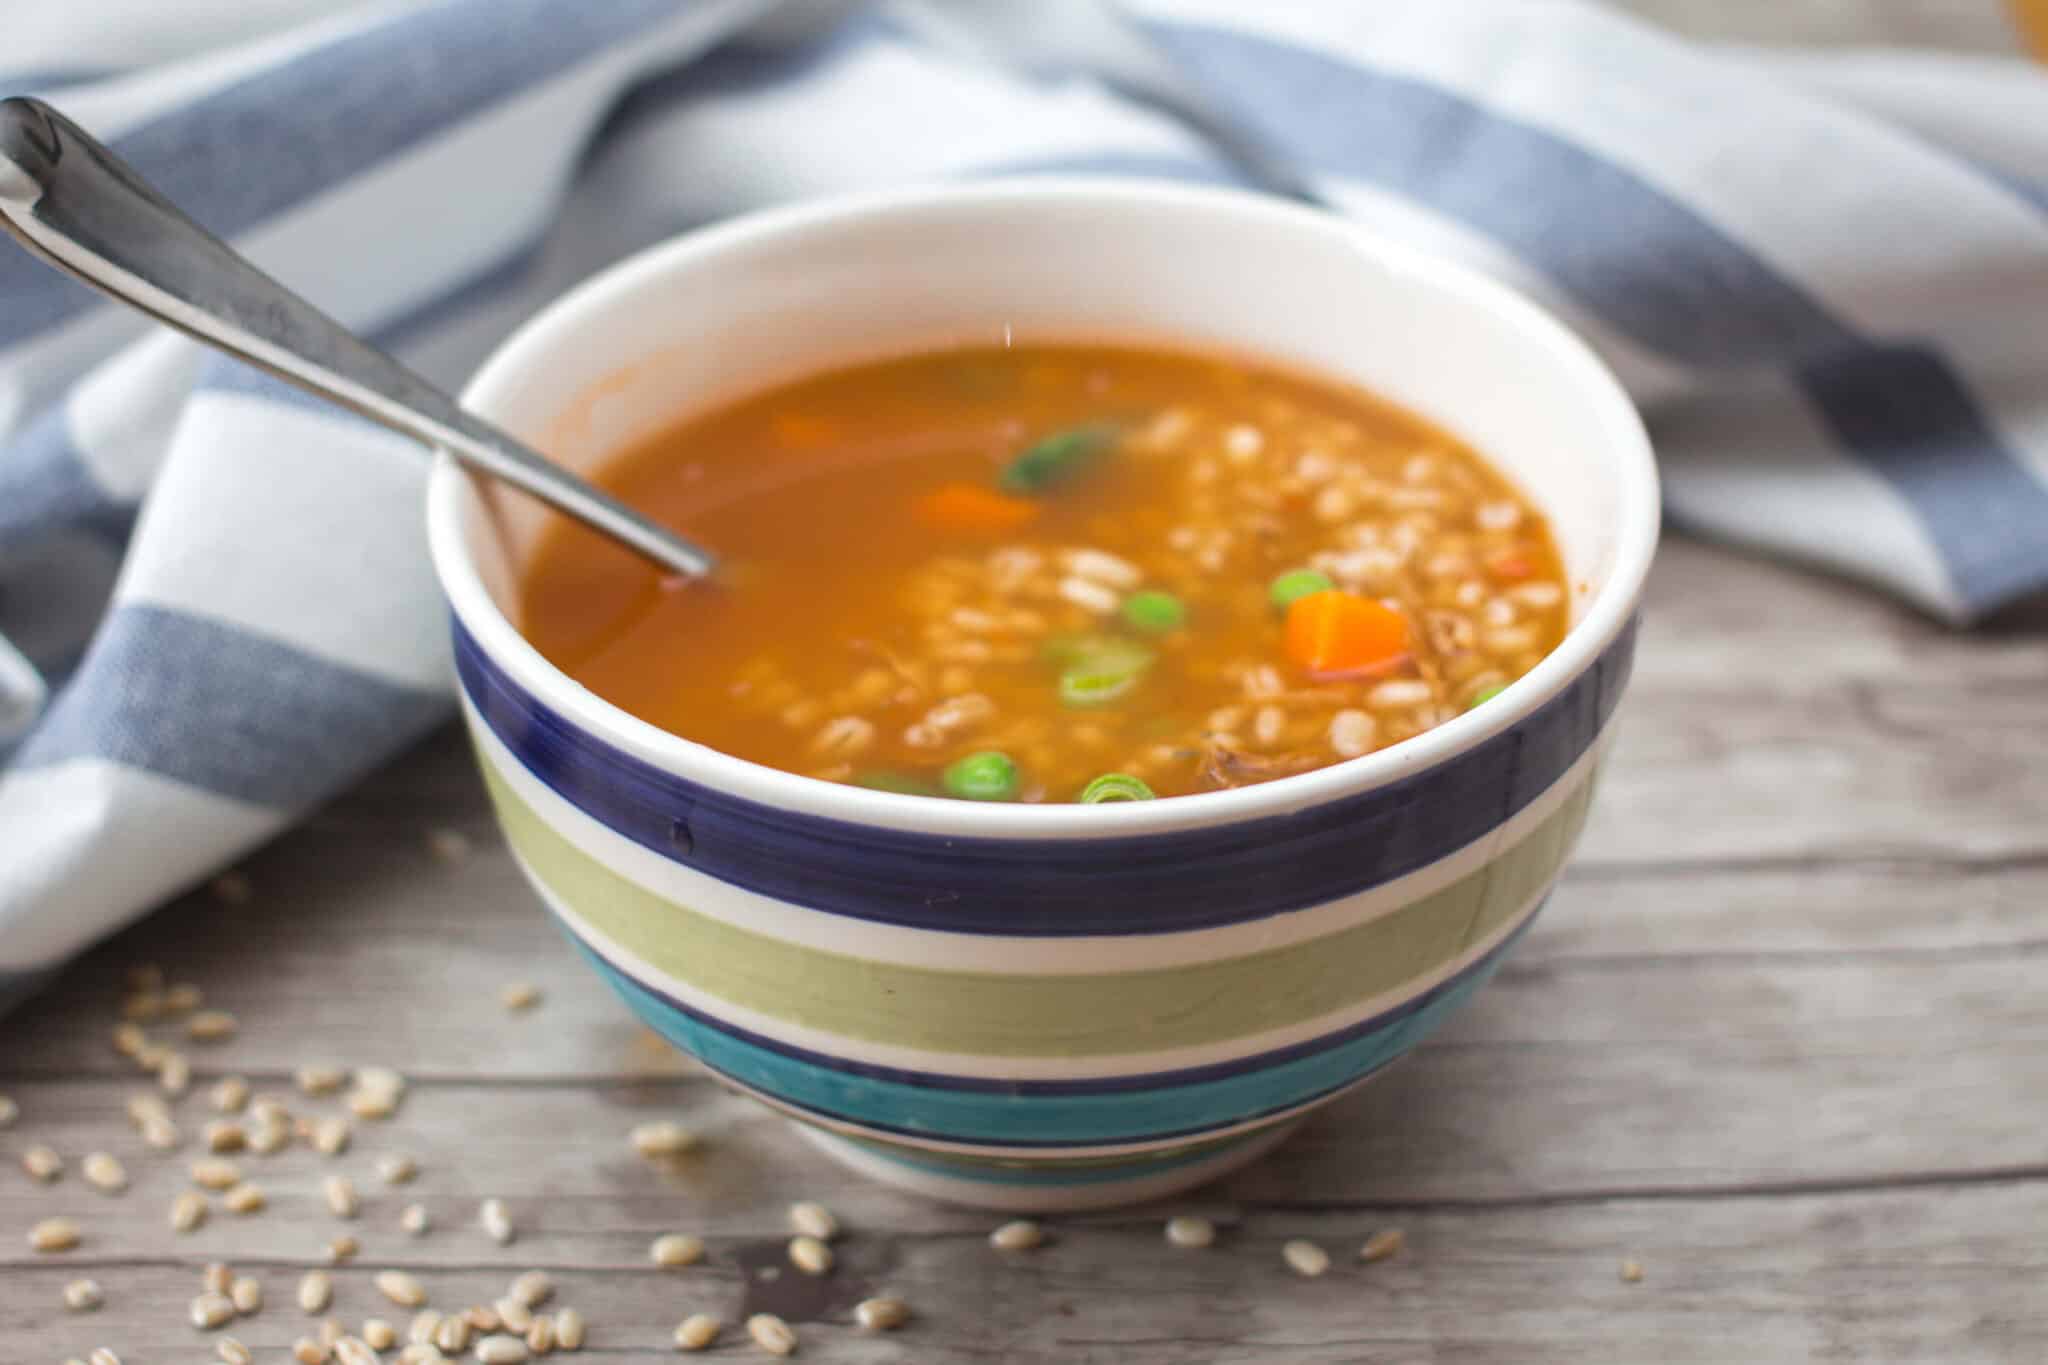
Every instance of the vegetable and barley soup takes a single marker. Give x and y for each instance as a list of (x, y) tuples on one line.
[(1057, 573)]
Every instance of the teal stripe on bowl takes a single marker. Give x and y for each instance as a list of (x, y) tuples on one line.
[(890, 1106)]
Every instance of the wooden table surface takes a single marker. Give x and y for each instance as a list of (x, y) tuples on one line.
[(1779, 1038)]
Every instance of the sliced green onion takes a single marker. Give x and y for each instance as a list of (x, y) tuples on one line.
[(986, 776), (1105, 673), (1055, 458), (891, 780), (1297, 583), (1485, 694), (1155, 611), (1115, 787)]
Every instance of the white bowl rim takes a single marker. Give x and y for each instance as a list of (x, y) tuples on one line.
[(1607, 614)]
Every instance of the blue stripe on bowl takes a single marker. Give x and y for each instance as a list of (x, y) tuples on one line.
[(1051, 1114), (1145, 884)]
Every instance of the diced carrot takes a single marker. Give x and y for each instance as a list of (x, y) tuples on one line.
[(1338, 632), (1509, 566), (971, 508)]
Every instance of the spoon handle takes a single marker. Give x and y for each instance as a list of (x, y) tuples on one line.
[(71, 201)]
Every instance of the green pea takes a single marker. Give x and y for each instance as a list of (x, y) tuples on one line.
[(1485, 694), (1104, 673), (890, 780), (1155, 611), (1295, 584), (1115, 787), (986, 776), (1055, 458)]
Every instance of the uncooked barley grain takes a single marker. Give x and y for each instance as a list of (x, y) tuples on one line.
[(496, 1221), (881, 1315), (813, 1219), (1305, 1258), (396, 1168), (401, 1288), (662, 1139), (247, 1294), (233, 1352), (697, 1331), (1382, 1244), (316, 1291), (245, 1198), (211, 1310), (810, 1255), (379, 1335), (569, 1330), (501, 1350), (340, 1193), (42, 1163), (54, 1234), (188, 1211), (532, 1289), (414, 1220), (1188, 1231), (772, 1334), (1020, 1235), (103, 1173), (673, 1249), (82, 1296)]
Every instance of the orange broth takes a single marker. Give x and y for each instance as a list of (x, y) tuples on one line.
[(901, 598)]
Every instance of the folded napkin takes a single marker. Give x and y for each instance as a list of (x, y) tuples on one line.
[(1824, 278)]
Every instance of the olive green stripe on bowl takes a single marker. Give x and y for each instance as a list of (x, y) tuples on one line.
[(996, 1014)]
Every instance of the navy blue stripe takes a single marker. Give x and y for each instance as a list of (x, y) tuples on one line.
[(1100, 1085), (224, 710), (327, 116), (1652, 268), (45, 488), (1156, 883)]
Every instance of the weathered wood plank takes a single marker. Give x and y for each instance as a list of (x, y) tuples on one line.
[(1944, 1275)]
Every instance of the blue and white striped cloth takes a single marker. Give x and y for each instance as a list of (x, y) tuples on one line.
[(1824, 277)]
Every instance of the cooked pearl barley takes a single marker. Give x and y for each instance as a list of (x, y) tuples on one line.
[(1103, 567), (1305, 1258), (42, 1163), (881, 1315), (1382, 1244), (233, 1352), (396, 1168), (813, 1220), (501, 1351), (1242, 442), (1087, 594), (210, 1310), (1187, 1231), (188, 1211), (104, 1173), (1268, 725), (772, 1334), (1397, 692), (569, 1330), (676, 1249), (810, 1255), (316, 1291), (82, 1296), (340, 1193), (1352, 732), (531, 1289), (414, 1220), (662, 1138), (379, 1335), (1021, 1235), (1497, 516), (844, 736), (54, 1234), (247, 1294), (496, 1221), (401, 1288), (699, 1330)]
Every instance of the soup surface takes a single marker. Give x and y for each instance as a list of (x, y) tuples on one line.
[(1055, 573)]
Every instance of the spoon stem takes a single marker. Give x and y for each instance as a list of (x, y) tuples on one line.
[(71, 201)]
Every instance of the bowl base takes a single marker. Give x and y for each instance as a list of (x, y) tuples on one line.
[(1046, 1192)]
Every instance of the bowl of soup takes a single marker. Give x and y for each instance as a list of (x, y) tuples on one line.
[(1161, 660)]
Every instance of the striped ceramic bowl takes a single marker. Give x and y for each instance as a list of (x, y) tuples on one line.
[(1047, 1006)]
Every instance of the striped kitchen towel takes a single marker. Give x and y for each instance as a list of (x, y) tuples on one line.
[(1825, 278)]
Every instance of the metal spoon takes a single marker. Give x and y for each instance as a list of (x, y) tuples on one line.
[(71, 201)]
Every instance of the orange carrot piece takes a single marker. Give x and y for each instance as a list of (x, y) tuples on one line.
[(1336, 632), (972, 508)]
